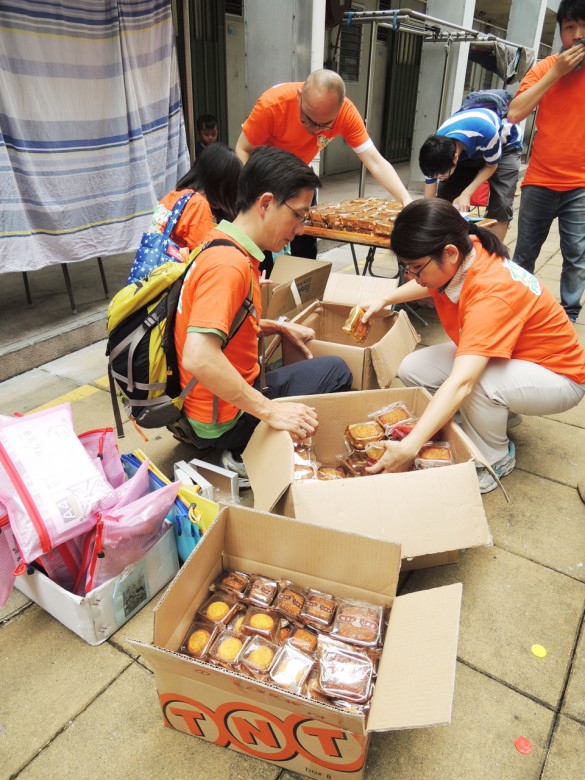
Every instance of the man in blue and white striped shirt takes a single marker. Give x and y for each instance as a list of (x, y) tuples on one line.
[(471, 147)]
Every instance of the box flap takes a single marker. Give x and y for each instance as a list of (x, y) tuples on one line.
[(288, 267), (268, 460), (427, 511), (416, 675), (294, 283), (389, 352), (352, 290)]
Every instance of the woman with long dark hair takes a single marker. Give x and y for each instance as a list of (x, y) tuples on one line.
[(214, 180), (512, 350)]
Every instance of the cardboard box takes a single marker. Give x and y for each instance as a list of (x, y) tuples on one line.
[(294, 283), (432, 513), (416, 673), (102, 611), (374, 362)]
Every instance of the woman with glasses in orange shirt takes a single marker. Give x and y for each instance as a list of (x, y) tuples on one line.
[(512, 349)]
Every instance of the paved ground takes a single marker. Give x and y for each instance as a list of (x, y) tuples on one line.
[(69, 710)]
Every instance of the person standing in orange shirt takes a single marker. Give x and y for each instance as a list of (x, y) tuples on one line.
[(303, 118), (554, 184)]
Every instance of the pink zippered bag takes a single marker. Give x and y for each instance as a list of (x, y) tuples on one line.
[(101, 444), (48, 482), (124, 534), (9, 558)]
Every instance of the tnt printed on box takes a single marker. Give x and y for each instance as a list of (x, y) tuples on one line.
[(416, 673), (432, 513), (97, 615)]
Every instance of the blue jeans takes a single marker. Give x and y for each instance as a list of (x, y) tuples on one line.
[(538, 207)]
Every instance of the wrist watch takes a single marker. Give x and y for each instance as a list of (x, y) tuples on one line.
[(280, 322)]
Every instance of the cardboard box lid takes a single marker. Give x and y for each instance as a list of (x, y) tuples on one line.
[(351, 289), (294, 283), (428, 511), (389, 352), (417, 669)]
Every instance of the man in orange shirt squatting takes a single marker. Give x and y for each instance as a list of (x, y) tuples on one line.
[(275, 191), (304, 117), (554, 184)]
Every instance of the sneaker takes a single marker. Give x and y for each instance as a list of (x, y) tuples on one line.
[(514, 419), (229, 460), (502, 468)]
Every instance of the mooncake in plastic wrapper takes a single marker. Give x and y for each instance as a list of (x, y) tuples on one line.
[(354, 325)]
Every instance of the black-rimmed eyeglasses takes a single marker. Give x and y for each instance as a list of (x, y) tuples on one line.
[(405, 268), (306, 120), (302, 218)]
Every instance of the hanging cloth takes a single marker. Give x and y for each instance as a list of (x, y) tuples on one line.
[(91, 127)]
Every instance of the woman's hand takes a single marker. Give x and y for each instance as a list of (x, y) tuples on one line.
[(374, 308), (299, 335), (396, 458)]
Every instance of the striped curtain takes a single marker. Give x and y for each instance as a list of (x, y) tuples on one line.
[(91, 127)]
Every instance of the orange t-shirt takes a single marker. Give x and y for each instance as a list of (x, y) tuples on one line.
[(557, 159), (214, 289), (504, 312), (275, 120), (194, 223)]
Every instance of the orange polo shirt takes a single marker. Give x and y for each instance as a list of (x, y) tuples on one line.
[(275, 120), (215, 287), (557, 160), (504, 312)]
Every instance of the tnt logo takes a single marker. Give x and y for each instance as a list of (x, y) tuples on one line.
[(260, 733)]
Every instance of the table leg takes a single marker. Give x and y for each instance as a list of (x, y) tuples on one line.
[(354, 258)]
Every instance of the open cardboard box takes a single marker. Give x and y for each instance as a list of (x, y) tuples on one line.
[(416, 673), (374, 362), (432, 513), (324, 305), (97, 615)]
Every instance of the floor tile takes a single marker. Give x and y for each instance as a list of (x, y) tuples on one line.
[(52, 677), (566, 758), (121, 735), (509, 604)]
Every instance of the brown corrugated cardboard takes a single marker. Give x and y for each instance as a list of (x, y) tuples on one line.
[(102, 611), (294, 283), (431, 513), (415, 676), (374, 362)]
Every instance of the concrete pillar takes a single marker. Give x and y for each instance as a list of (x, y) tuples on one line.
[(525, 26), (442, 72)]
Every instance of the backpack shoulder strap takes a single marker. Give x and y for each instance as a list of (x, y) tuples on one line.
[(247, 306), (176, 213)]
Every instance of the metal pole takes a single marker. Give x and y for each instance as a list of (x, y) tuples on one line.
[(368, 99), (444, 84), (189, 112)]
